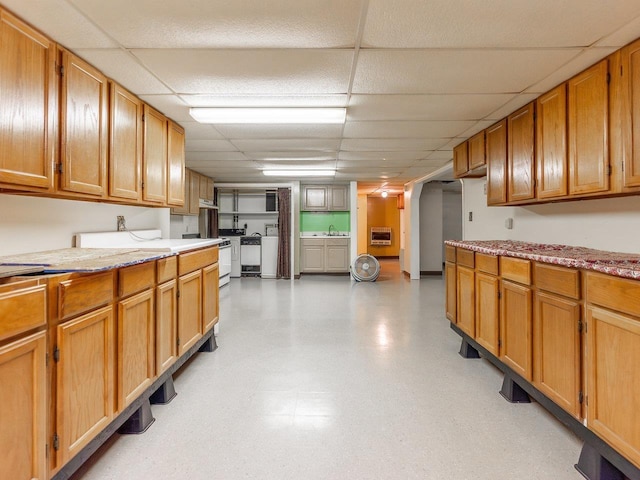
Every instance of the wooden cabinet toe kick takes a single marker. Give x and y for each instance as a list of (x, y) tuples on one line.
[(596, 453)]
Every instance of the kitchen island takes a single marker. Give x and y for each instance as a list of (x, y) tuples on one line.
[(563, 324)]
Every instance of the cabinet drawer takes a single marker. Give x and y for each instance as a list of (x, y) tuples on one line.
[(620, 294), (191, 261), (22, 308), (344, 242), (554, 279), (81, 294), (166, 269), (450, 253), (312, 242), (516, 270), (465, 257), (136, 278), (487, 263)]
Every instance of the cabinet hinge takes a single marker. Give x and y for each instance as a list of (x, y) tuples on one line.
[(59, 168), (178, 341), (499, 343), (623, 166), (609, 169), (580, 397), (499, 294), (143, 117), (142, 185), (56, 442), (60, 69), (580, 326), (178, 294), (608, 78), (56, 354), (46, 359), (621, 70)]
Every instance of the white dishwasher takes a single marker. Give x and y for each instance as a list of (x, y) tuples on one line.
[(235, 257), (224, 261), (269, 257)]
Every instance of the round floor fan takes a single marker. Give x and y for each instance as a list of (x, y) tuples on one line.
[(365, 268)]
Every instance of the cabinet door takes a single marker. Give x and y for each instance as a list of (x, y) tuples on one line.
[(154, 167), (450, 275), (588, 131), (496, 145), (189, 310), (476, 151), (85, 380), (460, 160), (84, 122), (520, 155), (125, 142), (136, 346), (28, 105), (338, 197), (166, 325), (314, 198), (175, 165), (488, 312), (556, 351), (313, 258), (630, 125), (466, 303), (210, 190), (210, 295), (551, 143), (23, 401), (613, 380), (337, 258), (194, 193), (516, 329)]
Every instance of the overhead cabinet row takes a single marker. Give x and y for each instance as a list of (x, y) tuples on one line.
[(578, 140), (68, 131)]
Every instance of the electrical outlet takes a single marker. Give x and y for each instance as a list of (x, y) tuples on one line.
[(471, 216), (121, 225), (508, 223)]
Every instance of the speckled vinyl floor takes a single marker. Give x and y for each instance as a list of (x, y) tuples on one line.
[(330, 379)]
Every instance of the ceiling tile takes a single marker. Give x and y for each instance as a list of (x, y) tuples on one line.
[(280, 131), (450, 71), (391, 144), (376, 163), (510, 107), (620, 37), (200, 131), (224, 24), (307, 164), (482, 124), (376, 155), (246, 72), (292, 155), (440, 155), (405, 129), (424, 107), (261, 145), (492, 23), (223, 164), (214, 156), (119, 64), (61, 22), (265, 101), (209, 145), (170, 105)]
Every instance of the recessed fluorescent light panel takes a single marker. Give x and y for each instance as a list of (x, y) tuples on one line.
[(299, 173), (269, 115)]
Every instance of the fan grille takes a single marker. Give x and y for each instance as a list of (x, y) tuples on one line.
[(366, 268)]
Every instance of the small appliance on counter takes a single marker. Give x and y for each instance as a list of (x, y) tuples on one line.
[(271, 229)]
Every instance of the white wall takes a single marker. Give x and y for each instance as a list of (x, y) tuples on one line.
[(32, 224), (431, 209), (181, 224), (451, 216), (606, 224), (411, 212)]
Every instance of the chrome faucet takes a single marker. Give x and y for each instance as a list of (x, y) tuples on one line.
[(332, 227)]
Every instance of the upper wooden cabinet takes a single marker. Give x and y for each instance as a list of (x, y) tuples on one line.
[(551, 143), (476, 151), (325, 198), (125, 144), (629, 114), (175, 165), (588, 118), (154, 165), (28, 106), (520, 154), (84, 124), (496, 148), (461, 159)]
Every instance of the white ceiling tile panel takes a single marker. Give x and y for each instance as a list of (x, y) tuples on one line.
[(375, 163), (223, 164), (509, 107), (405, 129), (455, 71), (213, 156), (424, 107), (248, 72), (493, 23), (417, 172), (391, 144), (620, 37), (320, 165), (292, 155), (116, 63), (209, 145), (170, 105), (280, 131), (62, 22), (265, 101), (440, 155), (327, 144), (575, 66), (225, 24), (390, 155), (482, 124), (200, 131)]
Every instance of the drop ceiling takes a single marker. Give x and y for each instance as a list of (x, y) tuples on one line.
[(416, 76)]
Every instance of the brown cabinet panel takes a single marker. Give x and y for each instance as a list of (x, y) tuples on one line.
[(465, 257), (496, 147), (136, 346), (516, 269), (516, 329), (557, 371), (28, 105), (136, 278), (630, 124), (154, 155), (450, 253), (210, 296), (166, 325), (488, 312), (85, 380), (84, 123), (616, 293), (195, 260), (461, 159), (189, 310), (551, 143), (476, 151), (80, 294), (450, 276), (23, 307), (125, 142), (521, 154), (23, 398), (487, 263), (613, 380), (175, 165), (166, 269), (194, 193), (466, 303), (556, 279), (588, 131)]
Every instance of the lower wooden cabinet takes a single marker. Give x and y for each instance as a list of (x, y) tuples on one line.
[(516, 328), (465, 285), (85, 380), (210, 296), (189, 310), (487, 314), (23, 397), (166, 325), (451, 299)]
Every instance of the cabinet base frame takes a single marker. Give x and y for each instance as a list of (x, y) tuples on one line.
[(512, 392), (467, 351), (593, 445), (76, 462), (165, 393), (139, 422)]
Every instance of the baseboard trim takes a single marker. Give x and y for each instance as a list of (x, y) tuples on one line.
[(426, 273)]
